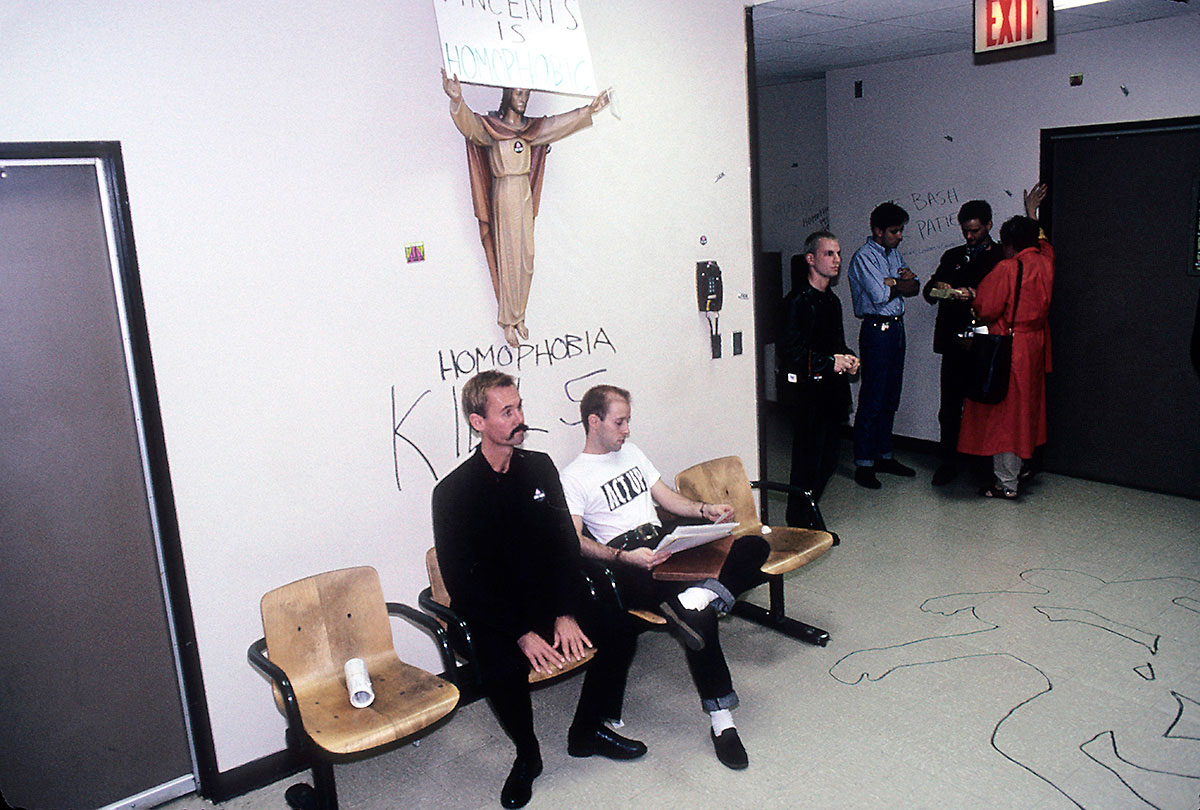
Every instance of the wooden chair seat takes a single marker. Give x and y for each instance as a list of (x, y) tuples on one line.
[(436, 600), (648, 616), (724, 480), (791, 548), (407, 699), (311, 627)]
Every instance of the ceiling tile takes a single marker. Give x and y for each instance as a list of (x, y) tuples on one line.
[(804, 38), (798, 23)]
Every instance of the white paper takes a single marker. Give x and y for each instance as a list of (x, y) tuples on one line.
[(686, 537)]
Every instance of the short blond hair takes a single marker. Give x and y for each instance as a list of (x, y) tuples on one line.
[(475, 391)]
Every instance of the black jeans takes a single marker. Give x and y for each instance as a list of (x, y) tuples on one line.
[(955, 375), (815, 428), (740, 572)]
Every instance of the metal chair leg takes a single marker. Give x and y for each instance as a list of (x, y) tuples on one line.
[(775, 618)]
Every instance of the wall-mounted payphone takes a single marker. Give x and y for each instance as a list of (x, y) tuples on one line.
[(710, 294), (709, 288)]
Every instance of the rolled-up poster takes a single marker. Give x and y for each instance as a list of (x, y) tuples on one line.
[(358, 684)]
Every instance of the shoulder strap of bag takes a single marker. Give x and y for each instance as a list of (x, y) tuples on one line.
[(1012, 327)]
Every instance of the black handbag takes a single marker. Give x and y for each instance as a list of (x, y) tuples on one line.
[(991, 358)]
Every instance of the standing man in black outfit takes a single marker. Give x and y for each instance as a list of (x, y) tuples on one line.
[(510, 557), (814, 366), (958, 274)]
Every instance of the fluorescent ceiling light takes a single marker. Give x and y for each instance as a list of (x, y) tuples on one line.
[(1059, 5)]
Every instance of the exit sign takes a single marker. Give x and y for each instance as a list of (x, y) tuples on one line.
[(1001, 24)]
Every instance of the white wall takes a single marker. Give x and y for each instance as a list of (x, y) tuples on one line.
[(934, 132), (278, 163)]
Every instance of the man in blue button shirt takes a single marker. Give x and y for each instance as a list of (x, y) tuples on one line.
[(879, 282)]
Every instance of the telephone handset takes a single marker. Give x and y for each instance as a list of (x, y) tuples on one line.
[(709, 288)]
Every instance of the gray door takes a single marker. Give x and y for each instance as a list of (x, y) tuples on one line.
[(90, 709)]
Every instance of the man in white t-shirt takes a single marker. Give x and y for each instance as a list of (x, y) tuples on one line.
[(611, 489)]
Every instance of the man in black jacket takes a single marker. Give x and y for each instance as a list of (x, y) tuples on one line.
[(814, 366), (507, 549), (952, 288)]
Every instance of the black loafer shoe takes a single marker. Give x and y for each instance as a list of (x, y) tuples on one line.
[(893, 467), (518, 787), (865, 477), (603, 742), (674, 613), (729, 749)]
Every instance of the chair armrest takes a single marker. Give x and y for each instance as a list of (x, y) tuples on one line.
[(776, 486), (814, 510), (430, 625), (257, 656), (459, 632), (439, 611)]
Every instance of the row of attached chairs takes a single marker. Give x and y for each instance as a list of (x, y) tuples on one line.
[(313, 626)]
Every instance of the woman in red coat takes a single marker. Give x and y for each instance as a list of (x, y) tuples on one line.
[(1010, 430)]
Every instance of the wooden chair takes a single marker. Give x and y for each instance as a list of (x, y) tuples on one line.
[(435, 600), (724, 480), (311, 628)]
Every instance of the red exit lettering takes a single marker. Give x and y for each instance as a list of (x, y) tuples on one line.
[(1015, 20)]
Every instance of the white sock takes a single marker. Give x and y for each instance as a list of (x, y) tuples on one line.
[(615, 723), (696, 598), (721, 720)]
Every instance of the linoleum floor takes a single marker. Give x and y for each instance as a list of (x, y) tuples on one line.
[(1038, 655)]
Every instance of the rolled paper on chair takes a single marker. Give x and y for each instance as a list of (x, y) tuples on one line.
[(358, 684)]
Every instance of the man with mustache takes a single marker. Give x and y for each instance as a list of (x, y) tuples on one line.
[(508, 553)]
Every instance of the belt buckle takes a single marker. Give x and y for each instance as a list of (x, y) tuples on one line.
[(638, 536), (884, 326)]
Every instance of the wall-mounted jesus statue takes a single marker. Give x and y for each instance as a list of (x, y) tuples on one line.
[(506, 152)]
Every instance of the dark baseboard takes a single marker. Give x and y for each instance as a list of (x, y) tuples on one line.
[(225, 785)]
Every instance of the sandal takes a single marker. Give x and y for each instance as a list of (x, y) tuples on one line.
[(997, 491)]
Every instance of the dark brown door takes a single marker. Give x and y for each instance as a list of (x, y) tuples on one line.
[(1124, 399)]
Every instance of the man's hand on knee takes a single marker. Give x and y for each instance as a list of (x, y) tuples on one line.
[(542, 657), (570, 638)]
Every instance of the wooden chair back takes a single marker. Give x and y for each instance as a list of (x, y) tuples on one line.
[(723, 480), (313, 626), (437, 585)]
